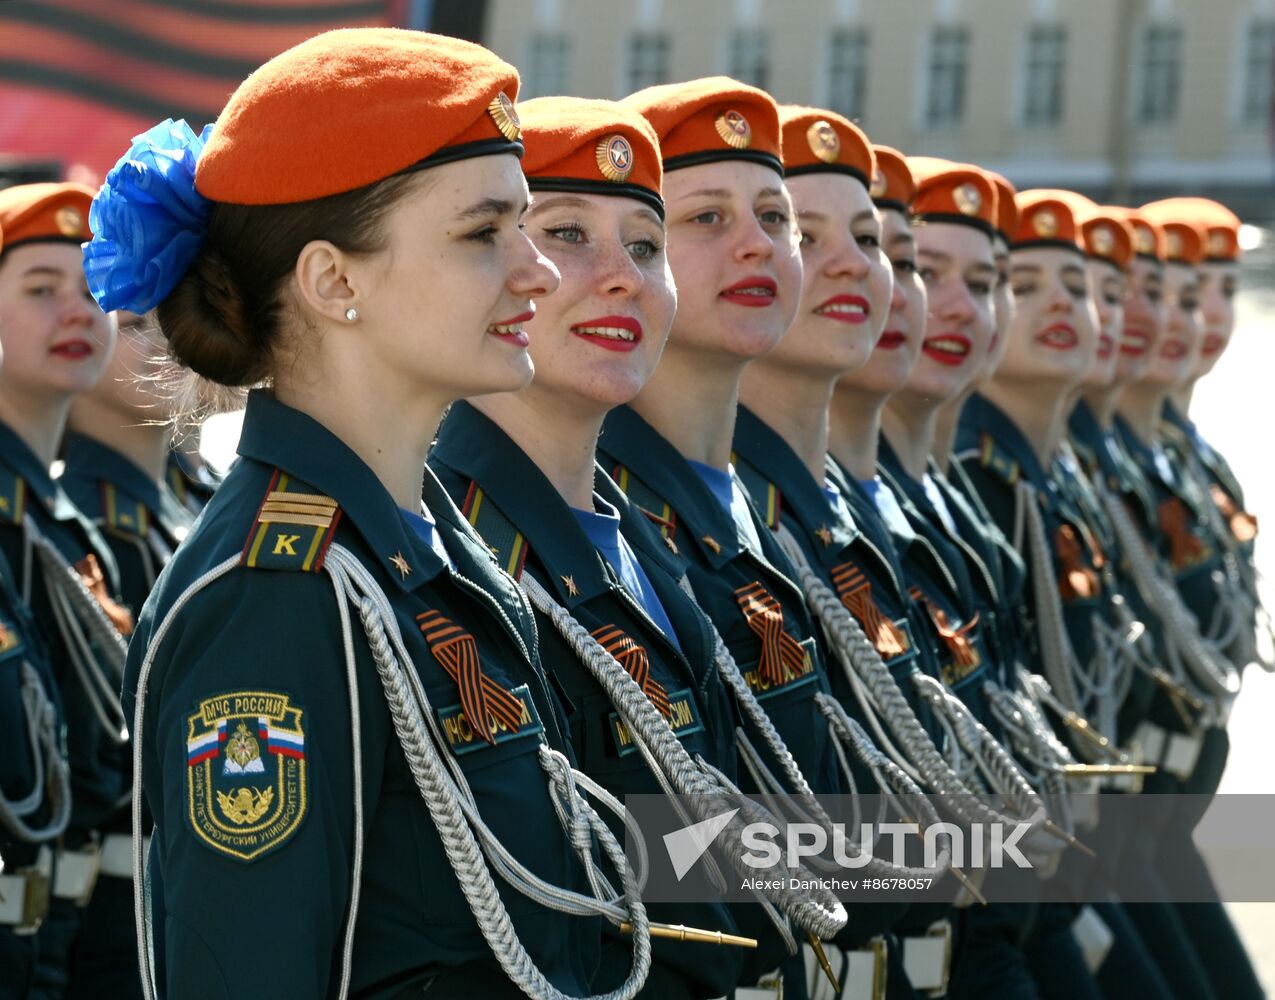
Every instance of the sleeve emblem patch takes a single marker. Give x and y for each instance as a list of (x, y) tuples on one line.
[(246, 784)]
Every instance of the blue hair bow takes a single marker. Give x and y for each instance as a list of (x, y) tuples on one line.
[(148, 220)]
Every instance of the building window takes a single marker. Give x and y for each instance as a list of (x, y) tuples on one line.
[(648, 59), (749, 57), (1046, 67), (1161, 76), (546, 66), (848, 72), (949, 64), (1258, 106)]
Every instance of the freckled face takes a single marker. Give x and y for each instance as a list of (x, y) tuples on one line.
[(847, 277), (600, 335), (733, 249)]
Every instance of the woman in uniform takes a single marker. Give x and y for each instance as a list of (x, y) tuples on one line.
[(57, 345), (340, 713), (35, 785), (115, 459), (521, 466)]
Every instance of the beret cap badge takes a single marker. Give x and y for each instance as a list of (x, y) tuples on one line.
[(879, 185), (69, 220), (505, 116), (734, 129), (1104, 240), (824, 141), (968, 199), (615, 158), (1045, 222)]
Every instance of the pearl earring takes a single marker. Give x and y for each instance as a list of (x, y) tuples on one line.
[(351, 314)]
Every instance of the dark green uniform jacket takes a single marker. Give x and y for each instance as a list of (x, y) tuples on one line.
[(1188, 450), (193, 488), (720, 565), (721, 562), (141, 520), (961, 614), (996, 456), (247, 761), (100, 763), (522, 516), (1106, 463), (1185, 536), (19, 770)]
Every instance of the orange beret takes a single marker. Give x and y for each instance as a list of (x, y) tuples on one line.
[(45, 213), (1221, 226), (1148, 237), (1183, 240), (350, 107), (892, 184), (818, 141), (594, 147), (1104, 233), (953, 192), (711, 119), (1006, 207), (1046, 219)]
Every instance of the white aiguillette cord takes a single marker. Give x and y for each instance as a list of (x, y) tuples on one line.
[(90, 636), (467, 841), (51, 779), (890, 778), (879, 696), (816, 911)]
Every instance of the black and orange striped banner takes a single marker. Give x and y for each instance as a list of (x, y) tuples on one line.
[(79, 78)]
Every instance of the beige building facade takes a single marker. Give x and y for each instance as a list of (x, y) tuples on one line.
[(1117, 97)]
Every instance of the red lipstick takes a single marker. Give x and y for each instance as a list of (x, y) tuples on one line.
[(754, 292)]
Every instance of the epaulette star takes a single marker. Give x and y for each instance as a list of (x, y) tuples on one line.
[(570, 584), (400, 564)]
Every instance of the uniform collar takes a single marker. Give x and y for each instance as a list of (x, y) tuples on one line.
[(89, 459), (802, 496), (22, 462), (275, 434), (981, 416), (636, 529), (478, 449), (646, 453)]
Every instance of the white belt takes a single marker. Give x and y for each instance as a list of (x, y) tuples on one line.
[(768, 987), (78, 871), (117, 854), (927, 959), (861, 972), (1176, 753), (24, 895), (1093, 936)]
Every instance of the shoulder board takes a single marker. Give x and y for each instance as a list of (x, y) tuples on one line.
[(992, 456), (498, 533), (652, 505), (293, 528), (122, 513), (13, 496), (764, 494)]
